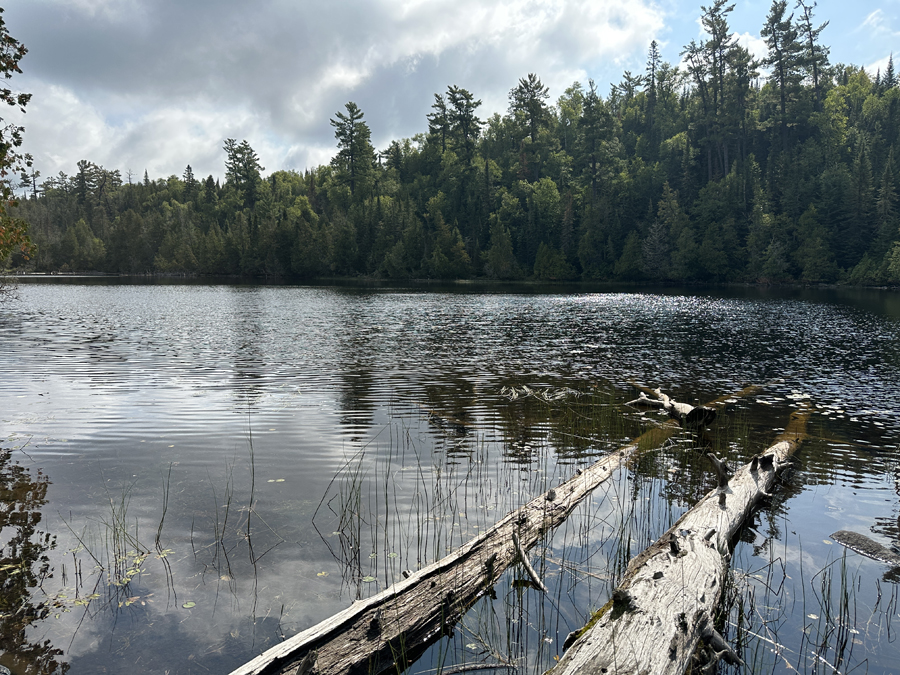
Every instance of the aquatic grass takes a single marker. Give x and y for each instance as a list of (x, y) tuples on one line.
[(425, 490), (119, 556), (115, 546), (446, 497), (416, 490), (816, 626)]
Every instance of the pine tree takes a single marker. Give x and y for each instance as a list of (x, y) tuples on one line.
[(528, 98), (815, 59), (464, 124), (439, 121), (190, 184), (885, 210), (242, 170), (356, 156), (784, 59), (890, 77)]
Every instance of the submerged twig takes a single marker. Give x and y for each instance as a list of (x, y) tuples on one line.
[(523, 558)]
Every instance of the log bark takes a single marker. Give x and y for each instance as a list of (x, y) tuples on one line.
[(392, 628), (664, 605)]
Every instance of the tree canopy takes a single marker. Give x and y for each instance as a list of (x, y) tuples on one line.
[(727, 169)]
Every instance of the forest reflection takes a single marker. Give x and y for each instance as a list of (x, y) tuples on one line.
[(24, 567)]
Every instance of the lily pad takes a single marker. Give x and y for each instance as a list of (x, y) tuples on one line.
[(368, 579), (189, 604)]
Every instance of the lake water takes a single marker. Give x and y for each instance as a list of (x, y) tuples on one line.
[(197, 471)]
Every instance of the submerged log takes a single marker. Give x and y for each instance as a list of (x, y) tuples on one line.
[(394, 627), (867, 546), (664, 605)]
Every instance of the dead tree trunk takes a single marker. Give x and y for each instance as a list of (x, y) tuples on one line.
[(393, 628), (665, 603)]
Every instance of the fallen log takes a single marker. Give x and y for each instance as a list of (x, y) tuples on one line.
[(392, 628), (664, 605), (688, 416)]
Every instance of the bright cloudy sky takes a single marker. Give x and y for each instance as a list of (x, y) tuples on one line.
[(159, 84)]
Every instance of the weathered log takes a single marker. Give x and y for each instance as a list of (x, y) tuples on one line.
[(392, 628), (662, 608), (688, 416)]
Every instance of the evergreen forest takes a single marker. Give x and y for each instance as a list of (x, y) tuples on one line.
[(727, 168)]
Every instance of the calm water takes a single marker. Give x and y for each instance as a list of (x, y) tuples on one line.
[(202, 470)]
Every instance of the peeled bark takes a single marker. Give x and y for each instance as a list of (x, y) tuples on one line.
[(664, 605), (391, 629)]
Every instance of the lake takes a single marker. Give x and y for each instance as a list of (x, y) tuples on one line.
[(197, 471)]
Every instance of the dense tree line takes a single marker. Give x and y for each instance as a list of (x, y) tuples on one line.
[(728, 169)]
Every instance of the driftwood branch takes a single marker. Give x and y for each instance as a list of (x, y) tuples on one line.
[(523, 558), (688, 416), (661, 610), (391, 629)]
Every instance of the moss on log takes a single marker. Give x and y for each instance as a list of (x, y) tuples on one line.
[(663, 606), (391, 629)]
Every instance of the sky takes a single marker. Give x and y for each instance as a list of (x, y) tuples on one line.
[(155, 85)]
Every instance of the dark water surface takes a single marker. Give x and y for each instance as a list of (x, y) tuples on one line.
[(202, 470)]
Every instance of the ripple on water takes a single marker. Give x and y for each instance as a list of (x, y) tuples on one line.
[(118, 384)]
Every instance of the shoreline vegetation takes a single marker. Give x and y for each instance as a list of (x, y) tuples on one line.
[(727, 168), (373, 279)]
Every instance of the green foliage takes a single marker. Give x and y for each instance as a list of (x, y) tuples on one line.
[(86, 252), (686, 174), (527, 101), (893, 264), (813, 255), (500, 260), (356, 156), (242, 171), (630, 265), (551, 265), (13, 230)]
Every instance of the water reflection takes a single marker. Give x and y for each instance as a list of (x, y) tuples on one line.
[(24, 569), (385, 410)]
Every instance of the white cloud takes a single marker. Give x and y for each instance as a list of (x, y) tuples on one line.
[(158, 84), (878, 66), (61, 129), (753, 44), (876, 22), (108, 9)]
